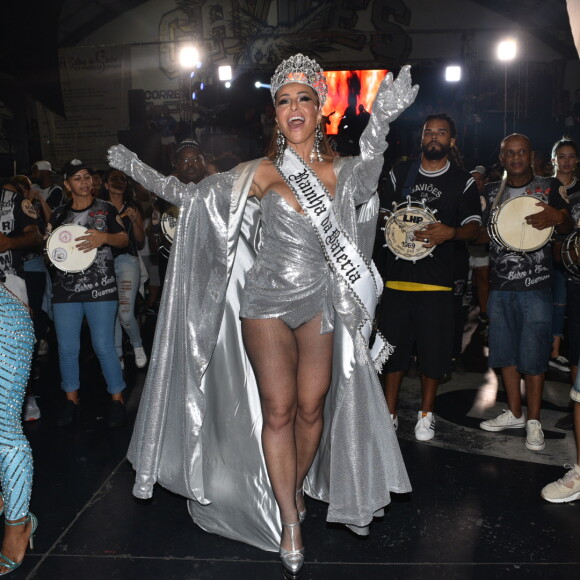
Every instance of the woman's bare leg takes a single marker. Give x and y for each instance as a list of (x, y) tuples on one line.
[(313, 378), (272, 350)]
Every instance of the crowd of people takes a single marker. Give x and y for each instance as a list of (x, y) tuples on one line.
[(267, 297)]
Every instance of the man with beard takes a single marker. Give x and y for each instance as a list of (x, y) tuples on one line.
[(189, 167), (520, 300), (417, 304)]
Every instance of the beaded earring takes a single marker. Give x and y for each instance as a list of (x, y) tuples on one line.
[(280, 146), (315, 153)]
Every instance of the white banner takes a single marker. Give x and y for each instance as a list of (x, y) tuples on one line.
[(95, 82)]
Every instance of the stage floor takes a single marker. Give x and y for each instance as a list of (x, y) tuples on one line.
[(475, 510)]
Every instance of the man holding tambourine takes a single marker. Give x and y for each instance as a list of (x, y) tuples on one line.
[(520, 215), (435, 203)]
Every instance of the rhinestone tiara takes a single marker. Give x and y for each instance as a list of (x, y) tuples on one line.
[(300, 69)]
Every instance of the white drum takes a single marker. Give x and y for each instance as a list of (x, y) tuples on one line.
[(62, 251), (408, 217), (508, 227), (570, 253)]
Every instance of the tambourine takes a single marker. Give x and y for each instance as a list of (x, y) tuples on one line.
[(570, 253), (508, 227), (406, 218), (62, 251)]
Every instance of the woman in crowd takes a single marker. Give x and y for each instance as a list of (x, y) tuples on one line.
[(277, 243), (118, 191), (564, 163), (16, 346), (90, 292)]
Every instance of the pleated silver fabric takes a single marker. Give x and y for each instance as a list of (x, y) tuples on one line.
[(199, 423)]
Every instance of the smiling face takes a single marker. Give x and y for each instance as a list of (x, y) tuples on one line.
[(516, 156), (297, 112), (80, 184)]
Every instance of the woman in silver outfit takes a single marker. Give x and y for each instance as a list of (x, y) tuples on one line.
[(263, 382)]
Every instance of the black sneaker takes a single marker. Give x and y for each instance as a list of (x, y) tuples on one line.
[(561, 363), (117, 414), (68, 414)]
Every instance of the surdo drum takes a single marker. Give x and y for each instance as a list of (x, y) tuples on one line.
[(406, 218), (62, 251), (508, 227)]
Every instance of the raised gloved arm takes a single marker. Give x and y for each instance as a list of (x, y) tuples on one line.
[(168, 188), (393, 97)]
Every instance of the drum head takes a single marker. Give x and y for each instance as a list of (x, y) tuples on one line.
[(62, 251), (511, 230), (400, 231), (169, 222)]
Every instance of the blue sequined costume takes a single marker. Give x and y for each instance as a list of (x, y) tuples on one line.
[(16, 346)]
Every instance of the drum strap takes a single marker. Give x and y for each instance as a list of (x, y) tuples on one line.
[(411, 178), (345, 259)]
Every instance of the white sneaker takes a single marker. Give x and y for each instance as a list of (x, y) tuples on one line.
[(506, 420), (42, 347), (31, 410), (140, 357), (565, 489), (425, 427), (395, 421), (534, 435)]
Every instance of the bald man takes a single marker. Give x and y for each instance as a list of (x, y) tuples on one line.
[(520, 304)]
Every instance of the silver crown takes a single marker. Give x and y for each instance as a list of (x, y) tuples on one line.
[(300, 69)]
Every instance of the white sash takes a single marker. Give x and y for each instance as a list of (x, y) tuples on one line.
[(350, 266)]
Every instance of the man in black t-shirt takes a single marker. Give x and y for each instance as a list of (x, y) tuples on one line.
[(520, 304), (417, 303)]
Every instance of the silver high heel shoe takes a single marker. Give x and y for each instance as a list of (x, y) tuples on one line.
[(293, 559), (302, 514)]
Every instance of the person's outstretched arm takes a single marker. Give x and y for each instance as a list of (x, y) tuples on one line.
[(169, 188), (393, 97)]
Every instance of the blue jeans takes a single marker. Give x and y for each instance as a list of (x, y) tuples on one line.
[(520, 330), (558, 301), (128, 276), (68, 319)]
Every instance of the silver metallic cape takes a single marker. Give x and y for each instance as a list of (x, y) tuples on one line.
[(198, 428)]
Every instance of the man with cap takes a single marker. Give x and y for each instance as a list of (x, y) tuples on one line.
[(43, 181)]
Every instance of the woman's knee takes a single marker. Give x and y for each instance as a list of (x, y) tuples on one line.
[(278, 417)]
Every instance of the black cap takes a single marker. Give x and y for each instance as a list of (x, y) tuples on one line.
[(72, 167)]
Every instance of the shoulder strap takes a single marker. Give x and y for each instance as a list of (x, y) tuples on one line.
[(411, 178)]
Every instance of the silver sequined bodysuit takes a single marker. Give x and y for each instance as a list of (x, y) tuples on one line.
[(290, 278)]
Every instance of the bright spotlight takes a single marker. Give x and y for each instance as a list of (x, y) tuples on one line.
[(227, 84), (507, 49), (189, 56), (260, 85), (225, 73), (453, 74)]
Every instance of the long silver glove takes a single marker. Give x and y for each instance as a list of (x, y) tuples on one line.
[(392, 98), (168, 188)]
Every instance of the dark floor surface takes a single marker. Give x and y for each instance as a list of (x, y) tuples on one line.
[(470, 515)]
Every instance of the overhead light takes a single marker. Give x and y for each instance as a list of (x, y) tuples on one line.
[(260, 85), (507, 49), (227, 84), (225, 73), (189, 56), (453, 74)]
